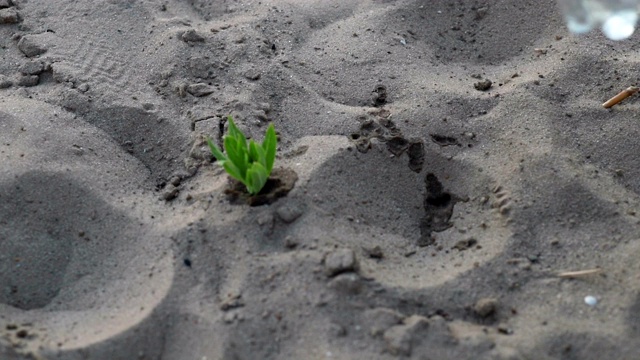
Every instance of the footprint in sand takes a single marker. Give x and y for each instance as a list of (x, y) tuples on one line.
[(77, 269)]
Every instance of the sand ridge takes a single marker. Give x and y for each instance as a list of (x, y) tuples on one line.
[(429, 219)]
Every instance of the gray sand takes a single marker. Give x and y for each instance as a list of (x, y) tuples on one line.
[(431, 215)]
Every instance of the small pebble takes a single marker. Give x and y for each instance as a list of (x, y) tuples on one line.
[(485, 307), (32, 68), (9, 16), (291, 242), (32, 45), (346, 284), (200, 89), (170, 193), (483, 85), (28, 80), (590, 300), (339, 261), (192, 36), (289, 212), (5, 82), (175, 180)]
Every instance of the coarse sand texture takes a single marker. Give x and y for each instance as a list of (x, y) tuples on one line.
[(447, 183)]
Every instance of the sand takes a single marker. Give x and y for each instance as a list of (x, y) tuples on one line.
[(447, 160)]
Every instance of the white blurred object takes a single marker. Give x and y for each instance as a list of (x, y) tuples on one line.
[(616, 18), (590, 300)]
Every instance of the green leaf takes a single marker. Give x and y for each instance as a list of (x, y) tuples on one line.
[(216, 151), (237, 134), (256, 178), (247, 162), (233, 171), (256, 153), (269, 144), (237, 155)]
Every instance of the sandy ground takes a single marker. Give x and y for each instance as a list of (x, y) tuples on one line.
[(432, 211)]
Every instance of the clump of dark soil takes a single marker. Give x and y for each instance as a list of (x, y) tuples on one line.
[(281, 181)]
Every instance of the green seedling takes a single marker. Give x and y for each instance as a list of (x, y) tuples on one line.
[(247, 162)]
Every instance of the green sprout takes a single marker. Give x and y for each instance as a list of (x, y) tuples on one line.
[(247, 162)]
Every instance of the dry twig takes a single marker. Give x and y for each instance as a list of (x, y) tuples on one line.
[(621, 96), (580, 273)]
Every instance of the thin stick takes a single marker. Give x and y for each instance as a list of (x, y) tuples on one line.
[(580, 273), (621, 96)]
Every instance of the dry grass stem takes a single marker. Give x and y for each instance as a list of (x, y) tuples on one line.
[(580, 273), (621, 96)]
